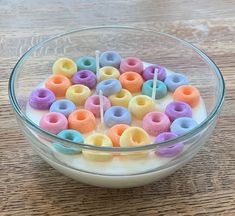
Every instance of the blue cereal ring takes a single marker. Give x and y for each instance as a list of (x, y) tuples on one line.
[(183, 125), (63, 106), (161, 89), (174, 80), (70, 135), (110, 58), (117, 115), (86, 63), (109, 87)]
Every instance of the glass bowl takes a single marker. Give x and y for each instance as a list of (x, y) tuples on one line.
[(128, 166)]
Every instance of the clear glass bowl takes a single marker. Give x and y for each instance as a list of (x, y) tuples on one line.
[(130, 166)]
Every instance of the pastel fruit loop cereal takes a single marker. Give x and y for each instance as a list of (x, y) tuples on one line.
[(130, 92)]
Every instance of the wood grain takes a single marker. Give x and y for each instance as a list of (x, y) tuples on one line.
[(205, 186)]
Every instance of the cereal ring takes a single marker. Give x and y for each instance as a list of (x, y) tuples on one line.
[(168, 151), (41, 98), (121, 98), (183, 125), (115, 133), (155, 123), (117, 115), (109, 72), (149, 72), (86, 63), (131, 64), (64, 66), (188, 94), (174, 80), (85, 77), (78, 94), (97, 139), (110, 58), (177, 109), (63, 106), (53, 122), (140, 105), (161, 89), (134, 136), (109, 87), (58, 84), (93, 104), (131, 81), (70, 135), (82, 120)]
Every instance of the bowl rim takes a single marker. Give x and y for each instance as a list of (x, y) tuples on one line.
[(19, 113)]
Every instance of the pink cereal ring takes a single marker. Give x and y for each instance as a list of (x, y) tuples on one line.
[(131, 64), (93, 104), (53, 122), (155, 123)]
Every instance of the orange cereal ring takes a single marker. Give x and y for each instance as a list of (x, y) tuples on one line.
[(188, 94), (131, 81), (115, 133), (58, 84), (82, 120)]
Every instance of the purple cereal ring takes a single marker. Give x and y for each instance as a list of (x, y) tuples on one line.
[(93, 104), (131, 64), (41, 98), (53, 122), (84, 77), (178, 109), (168, 151), (149, 72), (155, 123)]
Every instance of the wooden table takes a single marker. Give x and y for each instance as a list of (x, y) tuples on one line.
[(205, 186)]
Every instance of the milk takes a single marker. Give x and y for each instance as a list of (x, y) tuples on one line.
[(107, 173)]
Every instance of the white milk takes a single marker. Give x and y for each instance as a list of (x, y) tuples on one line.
[(107, 174)]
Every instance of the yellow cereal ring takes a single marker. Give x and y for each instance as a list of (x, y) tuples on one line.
[(98, 139), (121, 98), (64, 66), (78, 94), (140, 105), (109, 72), (134, 136)]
